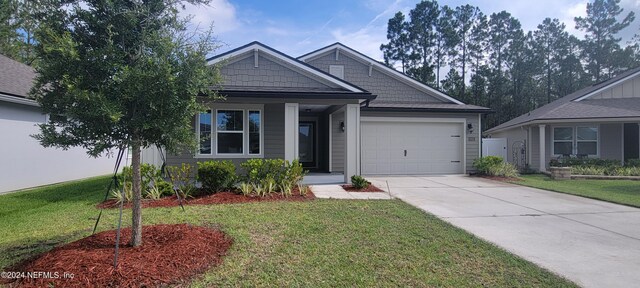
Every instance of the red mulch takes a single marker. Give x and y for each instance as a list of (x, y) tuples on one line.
[(370, 188), (217, 198), (169, 254)]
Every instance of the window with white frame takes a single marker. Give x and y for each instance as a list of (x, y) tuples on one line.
[(586, 141), (563, 140), (578, 140), (230, 132)]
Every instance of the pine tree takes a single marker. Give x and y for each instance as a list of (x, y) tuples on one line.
[(398, 49)]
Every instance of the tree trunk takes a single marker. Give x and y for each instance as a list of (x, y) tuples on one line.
[(136, 215)]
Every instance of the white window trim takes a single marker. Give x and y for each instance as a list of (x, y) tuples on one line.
[(553, 140), (574, 141), (245, 108)]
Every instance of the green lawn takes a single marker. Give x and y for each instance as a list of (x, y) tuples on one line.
[(323, 243), (625, 192)]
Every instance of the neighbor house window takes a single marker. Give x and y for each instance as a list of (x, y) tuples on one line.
[(578, 140), (230, 131), (587, 140), (204, 135)]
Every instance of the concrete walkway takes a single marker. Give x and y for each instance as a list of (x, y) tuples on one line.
[(590, 242), (336, 192)]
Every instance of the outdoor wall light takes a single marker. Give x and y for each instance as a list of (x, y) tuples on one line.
[(342, 126), (470, 128)]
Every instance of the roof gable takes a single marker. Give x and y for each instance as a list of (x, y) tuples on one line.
[(290, 72), (373, 65)]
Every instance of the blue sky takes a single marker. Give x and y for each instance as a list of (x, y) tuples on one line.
[(298, 27)]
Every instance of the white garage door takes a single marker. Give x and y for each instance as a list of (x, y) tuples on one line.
[(412, 148)]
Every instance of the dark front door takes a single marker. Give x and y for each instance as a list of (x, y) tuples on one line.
[(631, 141), (307, 144)]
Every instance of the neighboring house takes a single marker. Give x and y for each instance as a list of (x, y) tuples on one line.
[(600, 121), (23, 162), (336, 110)]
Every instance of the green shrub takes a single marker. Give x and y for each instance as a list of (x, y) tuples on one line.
[(503, 169), (217, 175), (151, 181), (246, 188), (632, 163), (570, 162), (181, 178), (359, 182), (588, 170), (272, 175), (484, 164), (303, 189), (165, 188), (626, 171)]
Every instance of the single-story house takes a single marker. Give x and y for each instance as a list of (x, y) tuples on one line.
[(336, 110), (23, 162), (600, 121)]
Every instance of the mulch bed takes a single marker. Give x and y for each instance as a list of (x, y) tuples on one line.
[(370, 188), (217, 198), (169, 254)]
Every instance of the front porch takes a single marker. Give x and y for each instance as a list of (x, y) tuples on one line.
[(611, 140)]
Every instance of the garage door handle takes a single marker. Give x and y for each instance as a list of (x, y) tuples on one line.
[(455, 161), (405, 153)]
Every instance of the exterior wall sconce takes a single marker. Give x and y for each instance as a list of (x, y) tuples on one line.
[(470, 128), (342, 126)]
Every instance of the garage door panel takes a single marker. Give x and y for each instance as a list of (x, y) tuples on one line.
[(431, 148)]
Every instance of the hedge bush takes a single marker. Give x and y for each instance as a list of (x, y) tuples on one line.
[(272, 175), (359, 182), (217, 175), (495, 166)]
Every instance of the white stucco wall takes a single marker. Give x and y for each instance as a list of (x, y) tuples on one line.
[(24, 163)]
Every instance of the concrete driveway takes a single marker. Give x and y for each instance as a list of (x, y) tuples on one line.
[(593, 243)]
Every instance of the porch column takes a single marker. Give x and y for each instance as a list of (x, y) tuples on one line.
[(543, 153), (290, 131), (351, 141)]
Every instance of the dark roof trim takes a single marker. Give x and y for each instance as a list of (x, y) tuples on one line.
[(447, 110), (299, 95)]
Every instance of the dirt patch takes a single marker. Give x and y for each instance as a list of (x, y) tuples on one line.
[(217, 198), (170, 254), (370, 188)]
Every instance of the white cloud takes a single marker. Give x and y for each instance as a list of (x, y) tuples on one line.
[(219, 12), (569, 14)]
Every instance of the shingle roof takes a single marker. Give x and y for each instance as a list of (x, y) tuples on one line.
[(567, 108), (16, 79)]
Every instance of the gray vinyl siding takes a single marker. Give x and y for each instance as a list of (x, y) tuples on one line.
[(274, 131), (472, 147), (629, 88), (269, 73), (337, 143), (534, 162), (387, 88), (611, 141)]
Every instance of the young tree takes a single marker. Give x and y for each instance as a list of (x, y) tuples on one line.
[(120, 73), (601, 27), (398, 48)]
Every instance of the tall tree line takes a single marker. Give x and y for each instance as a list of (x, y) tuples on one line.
[(17, 28), (493, 62)]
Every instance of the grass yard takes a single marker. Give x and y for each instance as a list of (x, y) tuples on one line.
[(324, 243), (625, 192)]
